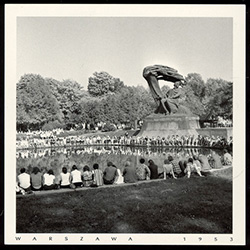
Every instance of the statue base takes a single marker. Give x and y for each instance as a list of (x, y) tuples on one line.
[(167, 125)]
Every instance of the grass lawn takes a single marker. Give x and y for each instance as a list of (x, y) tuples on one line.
[(195, 205)]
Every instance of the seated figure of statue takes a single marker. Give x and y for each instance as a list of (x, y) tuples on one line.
[(173, 101)]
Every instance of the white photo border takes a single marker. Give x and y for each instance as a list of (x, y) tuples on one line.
[(237, 12)]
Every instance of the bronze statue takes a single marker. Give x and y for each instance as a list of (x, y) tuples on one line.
[(172, 102)]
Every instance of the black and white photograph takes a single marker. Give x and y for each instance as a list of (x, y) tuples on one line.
[(125, 124)]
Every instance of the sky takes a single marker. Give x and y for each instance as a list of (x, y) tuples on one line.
[(76, 47)]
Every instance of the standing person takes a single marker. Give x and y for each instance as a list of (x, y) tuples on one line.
[(87, 176), (65, 178), (97, 176), (76, 177), (153, 170), (49, 180), (168, 170), (110, 173), (36, 179), (129, 173), (24, 180), (142, 170)]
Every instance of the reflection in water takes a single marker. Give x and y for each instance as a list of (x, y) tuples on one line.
[(114, 150), (56, 158)]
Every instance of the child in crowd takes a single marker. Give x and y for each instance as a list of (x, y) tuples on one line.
[(36, 179), (65, 178), (76, 177), (97, 176), (168, 170), (87, 176), (49, 180)]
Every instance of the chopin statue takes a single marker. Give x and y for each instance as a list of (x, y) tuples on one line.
[(172, 103)]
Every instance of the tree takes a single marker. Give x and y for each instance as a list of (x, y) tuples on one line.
[(218, 98), (35, 105), (103, 83)]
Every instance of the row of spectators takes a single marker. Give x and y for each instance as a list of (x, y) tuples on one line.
[(173, 167), (171, 141)]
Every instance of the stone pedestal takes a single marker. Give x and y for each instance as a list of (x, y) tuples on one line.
[(164, 125)]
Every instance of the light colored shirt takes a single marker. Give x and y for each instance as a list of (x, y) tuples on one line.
[(76, 176), (98, 177), (65, 179), (48, 179), (24, 180)]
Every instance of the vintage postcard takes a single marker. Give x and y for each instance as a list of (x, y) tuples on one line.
[(125, 124)]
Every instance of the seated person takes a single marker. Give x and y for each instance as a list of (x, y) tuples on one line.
[(153, 169), (97, 176), (49, 180), (24, 180), (110, 173), (197, 165), (76, 177), (142, 170), (227, 158), (65, 178), (36, 179), (87, 176), (129, 173), (168, 170), (191, 167), (176, 167), (119, 178)]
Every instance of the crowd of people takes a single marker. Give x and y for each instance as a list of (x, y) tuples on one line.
[(186, 166), (127, 140)]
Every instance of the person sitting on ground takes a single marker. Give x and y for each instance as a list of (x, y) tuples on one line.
[(24, 180), (216, 161), (65, 178), (227, 158), (110, 173), (119, 178), (129, 173), (19, 190), (76, 177), (189, 167), (49, 180), (153, 169), (168, 170), (97, 176), (142, 170), (36, 179), (176, 167), (197, 165), (205, 166), (87, 176)]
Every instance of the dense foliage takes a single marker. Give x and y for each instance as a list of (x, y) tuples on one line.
[(45, 103)]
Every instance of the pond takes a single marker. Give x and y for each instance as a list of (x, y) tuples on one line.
[(56, 158)]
